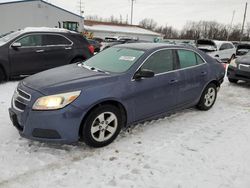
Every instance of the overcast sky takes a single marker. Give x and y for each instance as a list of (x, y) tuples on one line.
[(172, 12)]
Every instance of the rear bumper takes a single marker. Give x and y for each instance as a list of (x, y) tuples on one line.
[(237, 74)]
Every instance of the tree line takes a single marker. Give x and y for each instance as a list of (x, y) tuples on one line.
[(201, 29), (191, 30)]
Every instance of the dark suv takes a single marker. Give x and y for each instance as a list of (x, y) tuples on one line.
[(32, 50)]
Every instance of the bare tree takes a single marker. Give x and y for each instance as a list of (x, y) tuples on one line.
[(168, 32), (148, 24)]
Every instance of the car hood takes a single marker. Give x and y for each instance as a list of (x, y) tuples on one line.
[(243, 59), (63, 79)]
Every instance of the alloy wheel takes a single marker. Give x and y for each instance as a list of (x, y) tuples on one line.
[(210, 97), (104, 126)]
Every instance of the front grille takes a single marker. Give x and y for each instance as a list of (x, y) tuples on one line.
[(24, 94), (20, 100), (19, 105), (244, 67)]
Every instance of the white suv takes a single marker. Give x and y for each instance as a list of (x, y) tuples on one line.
[(223, 50)]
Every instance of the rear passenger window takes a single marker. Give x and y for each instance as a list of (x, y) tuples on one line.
[(49, 40), (31, 41), (199, 59), (160, 62), (186, 58)]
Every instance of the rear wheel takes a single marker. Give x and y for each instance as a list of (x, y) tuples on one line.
[(208, 97), (76, 60), (232, 80), (2, 75), (102, 126)]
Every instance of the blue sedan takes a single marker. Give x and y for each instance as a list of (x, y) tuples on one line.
[(120, 86)]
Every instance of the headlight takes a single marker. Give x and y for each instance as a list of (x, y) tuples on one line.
[(54, 102), (233, 63)]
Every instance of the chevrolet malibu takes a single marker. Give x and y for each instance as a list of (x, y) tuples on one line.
[(123, 85)]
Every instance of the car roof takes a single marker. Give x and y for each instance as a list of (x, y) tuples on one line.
[(46, 29), (151, 46)]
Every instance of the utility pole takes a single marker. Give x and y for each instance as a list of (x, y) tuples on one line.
[(231, 25), (243, 24), (132, 10), (80, 6)]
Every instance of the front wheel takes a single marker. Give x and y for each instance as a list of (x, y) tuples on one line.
[(102, 126), (208, 97)]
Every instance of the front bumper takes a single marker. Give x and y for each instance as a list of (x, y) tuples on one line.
[(60, 126), (235, 73)]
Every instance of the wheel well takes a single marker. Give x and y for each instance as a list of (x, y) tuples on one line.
[(215, 82), (77, 57), (4, 72), (109, 102)]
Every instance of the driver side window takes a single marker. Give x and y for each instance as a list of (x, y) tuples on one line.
[(160, 62), (224, 47), (31, 41)]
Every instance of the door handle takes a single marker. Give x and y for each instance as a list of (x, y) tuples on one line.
[(39, 51), (68, 48), (204, 73), (173, 81)]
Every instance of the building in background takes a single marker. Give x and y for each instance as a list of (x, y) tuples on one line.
[(37, 13), (106, 29)]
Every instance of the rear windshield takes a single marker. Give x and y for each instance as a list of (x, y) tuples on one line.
[(79, 39), (114, 59), (205, 42), (9, 36)]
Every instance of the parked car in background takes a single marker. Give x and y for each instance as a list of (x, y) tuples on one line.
[(239, 69), (179, 42), (3, 35), (100, 40), (32, 50), (117, 87), (113, 41), (242, 49), (223, 50), (95, 44)]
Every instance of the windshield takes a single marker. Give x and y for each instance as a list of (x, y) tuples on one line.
[(8, 36), (116, 60)]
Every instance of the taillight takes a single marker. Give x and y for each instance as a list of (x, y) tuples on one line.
[(224, 65), (91, 49)]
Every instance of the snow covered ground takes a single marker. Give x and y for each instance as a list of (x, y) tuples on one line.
[(190, 149)]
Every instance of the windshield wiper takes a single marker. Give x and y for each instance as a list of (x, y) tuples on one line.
[(92, 68)]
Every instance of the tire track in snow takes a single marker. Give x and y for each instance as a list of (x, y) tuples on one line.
[(52, 166)]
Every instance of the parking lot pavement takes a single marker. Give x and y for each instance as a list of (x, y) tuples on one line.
[(186, 150)]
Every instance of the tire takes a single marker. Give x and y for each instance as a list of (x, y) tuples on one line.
[(96, 131), (233, 80), (2, 75), (208, 97), (76, 60)]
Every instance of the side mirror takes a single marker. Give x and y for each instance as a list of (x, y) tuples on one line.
[(144, 73), (16, 45)]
